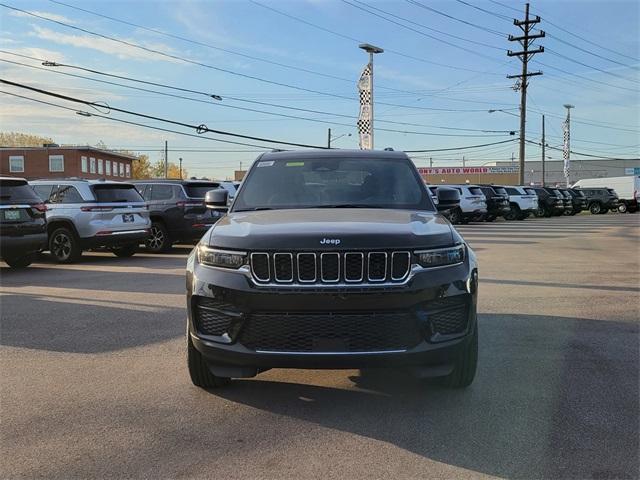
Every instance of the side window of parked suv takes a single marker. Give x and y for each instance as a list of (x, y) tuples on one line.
[(161, 192), (512, 191), (68, 194), (44, 192)]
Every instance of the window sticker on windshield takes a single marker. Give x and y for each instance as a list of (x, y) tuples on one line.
[(265, 164), (295, 164)]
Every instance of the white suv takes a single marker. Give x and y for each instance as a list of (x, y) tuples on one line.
[(473, 204), (84, 214), (523, 202)]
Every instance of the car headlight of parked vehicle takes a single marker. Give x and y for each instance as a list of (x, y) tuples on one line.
[(220, 258), (441, 256)]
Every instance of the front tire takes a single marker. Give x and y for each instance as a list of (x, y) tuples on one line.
[(125, 251), (64, 246), (595, 208), (199, 372), (20, 262), (464, 370), (455, 217), (622, 208)]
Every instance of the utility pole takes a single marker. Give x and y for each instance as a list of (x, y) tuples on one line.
[(430, 162), (180, 168), (566, 150), (543, 152), (166, 160), (525, 55), (463, 162), (328, 138)]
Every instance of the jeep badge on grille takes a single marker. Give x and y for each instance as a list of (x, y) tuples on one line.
[(330, 241)]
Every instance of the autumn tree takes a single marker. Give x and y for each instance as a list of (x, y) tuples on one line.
[(16, 139), (173, 170)]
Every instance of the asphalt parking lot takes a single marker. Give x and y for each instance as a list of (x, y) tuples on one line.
[(94, 380)]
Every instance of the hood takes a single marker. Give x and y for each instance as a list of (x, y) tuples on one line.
[(331, 229)]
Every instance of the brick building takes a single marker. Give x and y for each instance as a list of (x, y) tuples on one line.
[(53, 161)]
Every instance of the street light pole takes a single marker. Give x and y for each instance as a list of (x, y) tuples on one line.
[(567, 143), (371, 50), (180, 168), (328, 138), (543, 153)]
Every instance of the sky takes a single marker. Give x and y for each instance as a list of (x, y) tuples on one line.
[(287, 71)]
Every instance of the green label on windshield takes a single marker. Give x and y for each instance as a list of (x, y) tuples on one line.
[(295, 164)]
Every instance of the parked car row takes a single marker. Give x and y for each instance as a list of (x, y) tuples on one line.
[(488, 202), (70, 215)]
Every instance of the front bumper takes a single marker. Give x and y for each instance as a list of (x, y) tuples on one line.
[(318, 336)]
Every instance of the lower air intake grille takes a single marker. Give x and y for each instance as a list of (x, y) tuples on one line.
[(330, 332), (449, 322), (209, 318)]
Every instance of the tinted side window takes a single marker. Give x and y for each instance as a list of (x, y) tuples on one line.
[(475, 191), (68, 194), (145, 191), (161, 192), (512, 191), (43, 191)]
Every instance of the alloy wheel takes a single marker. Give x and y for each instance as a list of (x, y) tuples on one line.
[(156, 239), (61, 247)]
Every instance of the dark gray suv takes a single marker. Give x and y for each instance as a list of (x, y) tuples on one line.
[(177, 211), (331, 259)]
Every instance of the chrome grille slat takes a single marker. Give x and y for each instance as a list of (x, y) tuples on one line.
[(331, 268), (283, 267)]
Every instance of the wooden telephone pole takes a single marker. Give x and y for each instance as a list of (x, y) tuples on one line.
[(525, 55)]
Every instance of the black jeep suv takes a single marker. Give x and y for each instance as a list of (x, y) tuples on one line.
[(497, 202), (331, 259), (601, 200), (550, 202), (23, 228), (177, 211)]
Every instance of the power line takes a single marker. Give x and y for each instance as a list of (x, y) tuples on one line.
[(331, 114), (571, 33), (459, 148), (549, 35), (480, 27), (350, 38), (585, 78), (582, 154), (208, 45), (198, 128), (557, 54), (87, 114), (364, 7)]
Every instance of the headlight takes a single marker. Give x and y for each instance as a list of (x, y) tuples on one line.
[(441, 256), (220, 258)]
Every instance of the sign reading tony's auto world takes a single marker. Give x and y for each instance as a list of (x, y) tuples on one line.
[(466, 170)]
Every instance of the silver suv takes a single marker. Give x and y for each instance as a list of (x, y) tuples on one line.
[(84, 214)]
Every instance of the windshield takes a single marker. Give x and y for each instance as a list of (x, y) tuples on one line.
[(199, 190), (333, 182), (108, 193)]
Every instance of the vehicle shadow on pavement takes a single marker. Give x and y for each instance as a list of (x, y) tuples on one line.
[(77, 324), (554, 397)]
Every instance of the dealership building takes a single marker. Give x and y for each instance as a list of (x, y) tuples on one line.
[(53, 161)]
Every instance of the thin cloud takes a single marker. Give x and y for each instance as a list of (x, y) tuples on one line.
[(49, 15), (104, 45)]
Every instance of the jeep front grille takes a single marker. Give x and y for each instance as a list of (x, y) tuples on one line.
[(330, 267)]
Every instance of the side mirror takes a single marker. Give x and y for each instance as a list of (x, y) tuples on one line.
[(216, 199), (448, 198)]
